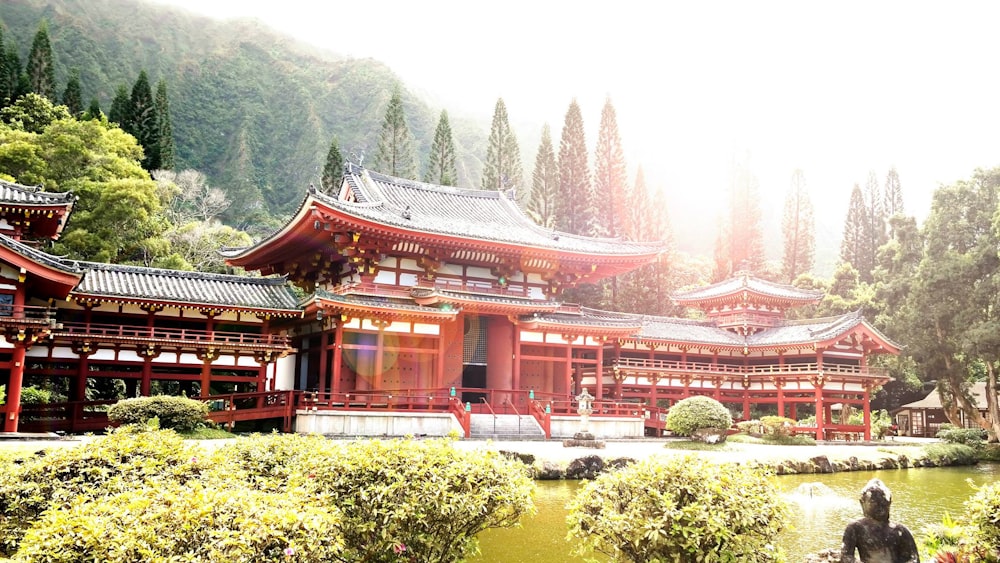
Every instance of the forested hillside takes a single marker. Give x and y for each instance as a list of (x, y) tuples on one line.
[(254, 110)]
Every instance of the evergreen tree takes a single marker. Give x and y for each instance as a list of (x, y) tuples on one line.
[(13, 82), (141, 122), (502, 170), (575, 206), (854, 248), (333, 170), (6, 85), (441, 164), (395, 155), (72, 97), (610, 182), (119, 107), (893, 194), (40, 68), (94, 110), (876, 226), (544, 183), (166, 130), (744, 237), (640, 288), (799, 230)]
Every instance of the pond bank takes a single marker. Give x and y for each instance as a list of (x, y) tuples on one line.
[(551, 460)]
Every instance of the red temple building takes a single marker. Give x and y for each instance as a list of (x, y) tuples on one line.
[(421, 309)]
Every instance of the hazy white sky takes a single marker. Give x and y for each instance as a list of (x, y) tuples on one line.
[(834, 88)]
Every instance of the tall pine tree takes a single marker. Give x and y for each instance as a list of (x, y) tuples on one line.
[(610, 185), (610, 182), (119, 107), (855, 246), (544, 183), (575, 211), (333, 169), (166, 129), (441, 164), (742, 236), (40, 68), (799, 230), (395, 155), (876, 228), (93, 110), (7, 85), (893, 195), (72, 96), (502, 169), (141, 122)]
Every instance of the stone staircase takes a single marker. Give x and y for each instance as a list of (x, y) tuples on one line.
[(505, 427)]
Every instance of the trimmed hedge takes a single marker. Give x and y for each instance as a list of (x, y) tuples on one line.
[(682, 509), (177, 413), (695, 413)]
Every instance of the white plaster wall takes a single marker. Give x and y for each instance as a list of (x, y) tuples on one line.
[(600, 427), (375, 424), (284, 373)]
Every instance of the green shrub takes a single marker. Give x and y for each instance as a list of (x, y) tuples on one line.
[(695, 413), (406, 500), (951, 454), (955, 435), (778, 425), (681, 509), (750, 427), (266, 461), (35, 396), (983, 513), (173, 522), (178, 413), (120, 461)]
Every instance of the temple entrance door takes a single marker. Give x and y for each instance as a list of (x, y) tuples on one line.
[(473, 377), (474, 353)]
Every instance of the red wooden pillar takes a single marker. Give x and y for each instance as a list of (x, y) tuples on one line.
[(781, 397), (324, 352), (568, 369), (83, 351), (14, 388), (868, 413), (379, 355), (338, 351), (515, 375), (654, 382), (599, 369), (262, 384), (820, 414)]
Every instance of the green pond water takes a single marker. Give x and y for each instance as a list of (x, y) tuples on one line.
[(920, 497)]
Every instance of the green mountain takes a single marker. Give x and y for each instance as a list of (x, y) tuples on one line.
[(252, 109)]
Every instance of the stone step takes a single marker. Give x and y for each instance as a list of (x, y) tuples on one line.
[(505, 427)]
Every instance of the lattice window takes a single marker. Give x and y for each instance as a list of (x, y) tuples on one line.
[(474, 345)]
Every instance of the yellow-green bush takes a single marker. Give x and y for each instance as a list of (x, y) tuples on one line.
[(125, 459), (266, 461), (778, 425), (177, 413), (680, 509), (695, 413), (174, 522), (406, 500)]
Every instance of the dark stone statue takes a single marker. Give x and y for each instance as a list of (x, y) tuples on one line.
[(876, 539)]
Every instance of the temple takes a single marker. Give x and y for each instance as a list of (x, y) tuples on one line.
[(395, 307)]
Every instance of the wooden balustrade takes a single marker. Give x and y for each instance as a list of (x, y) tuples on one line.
[(642, 364), (160, 334)]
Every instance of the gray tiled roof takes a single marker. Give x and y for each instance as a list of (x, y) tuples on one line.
[(190, 288), (811, 330), (32, 195), (744, 280), (687, 330), (376, 302), (473, 214), (498, 298), (40, 256)]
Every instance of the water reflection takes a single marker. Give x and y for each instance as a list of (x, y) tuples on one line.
[(821, 506)]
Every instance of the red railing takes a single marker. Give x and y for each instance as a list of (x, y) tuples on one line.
[(29, 313), (234, 407), (463, 416), (640, 364), (221, 338), (543, 417)]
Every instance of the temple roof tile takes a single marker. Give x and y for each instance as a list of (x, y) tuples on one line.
[(32, 195)]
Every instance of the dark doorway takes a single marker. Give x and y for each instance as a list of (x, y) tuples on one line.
[(473, 376)]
